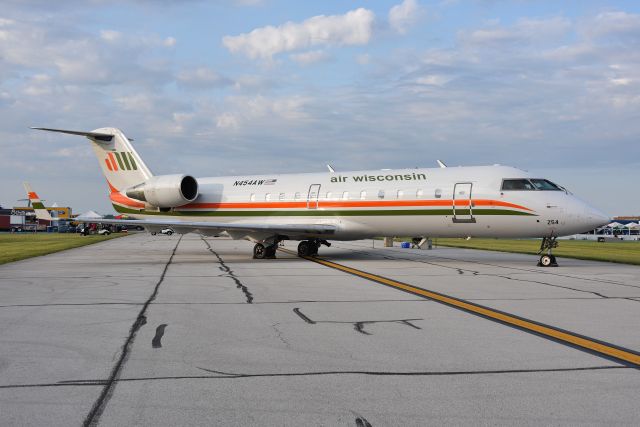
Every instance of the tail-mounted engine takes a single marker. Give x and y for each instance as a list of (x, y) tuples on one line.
[(165, 191)]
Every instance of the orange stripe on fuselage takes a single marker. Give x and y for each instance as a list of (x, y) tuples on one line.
[(352, 204), (121, 199), (124, 200)]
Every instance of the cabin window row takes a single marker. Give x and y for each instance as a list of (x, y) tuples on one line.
[(345, 195)]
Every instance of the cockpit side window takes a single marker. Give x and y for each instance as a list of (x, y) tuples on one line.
[(517, 185), (545, 185)]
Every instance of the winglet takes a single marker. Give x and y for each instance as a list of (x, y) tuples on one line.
[(441, 164)]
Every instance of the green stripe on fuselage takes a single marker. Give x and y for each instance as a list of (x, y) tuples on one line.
[(321, 212)]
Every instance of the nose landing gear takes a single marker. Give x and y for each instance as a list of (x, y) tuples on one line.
[(548, 259)]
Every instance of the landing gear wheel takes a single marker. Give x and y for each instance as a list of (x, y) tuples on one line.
[(314, 248), (304, 248), (259, 251), (547, 261), (270, 252)]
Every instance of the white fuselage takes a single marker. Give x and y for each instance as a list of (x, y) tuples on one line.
[(442, 202)]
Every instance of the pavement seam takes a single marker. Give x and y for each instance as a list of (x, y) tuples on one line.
[(93, 417)]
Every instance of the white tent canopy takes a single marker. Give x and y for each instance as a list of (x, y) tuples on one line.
[(89, 215)]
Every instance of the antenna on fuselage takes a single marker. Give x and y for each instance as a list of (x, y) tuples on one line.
[(441, 164), (331, 169)]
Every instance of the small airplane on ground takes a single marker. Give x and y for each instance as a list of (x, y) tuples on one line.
[(313, 208), (37, 205)]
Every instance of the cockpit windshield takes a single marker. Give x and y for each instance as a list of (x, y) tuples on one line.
[(523, 184), (546, 185)]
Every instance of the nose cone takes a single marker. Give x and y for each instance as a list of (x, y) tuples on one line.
[(595, 218)]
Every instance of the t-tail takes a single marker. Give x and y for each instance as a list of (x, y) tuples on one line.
[(36, 203), (132, 186), (120, 163)]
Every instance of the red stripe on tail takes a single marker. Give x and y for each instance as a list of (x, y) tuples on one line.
[(108, 164), (113, 161)]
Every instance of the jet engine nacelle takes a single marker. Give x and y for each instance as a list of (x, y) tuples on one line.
[(166, 191)]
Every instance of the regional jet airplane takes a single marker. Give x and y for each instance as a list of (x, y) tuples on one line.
[(313, 208)]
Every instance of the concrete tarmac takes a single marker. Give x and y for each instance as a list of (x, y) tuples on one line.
[(159, 330)]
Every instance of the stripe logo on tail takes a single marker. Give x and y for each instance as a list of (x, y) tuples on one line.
[(120, 160)]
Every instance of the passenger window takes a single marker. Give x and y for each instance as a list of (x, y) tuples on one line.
[(345, 195), (381, 194), (252, 197), (517, 185), (363, 195), (267, 197), (329, 195), (438, 193), (400, 194), (297, 196), (281, 197), (419, 194)]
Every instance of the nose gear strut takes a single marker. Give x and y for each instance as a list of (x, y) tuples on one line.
[(548, 244)]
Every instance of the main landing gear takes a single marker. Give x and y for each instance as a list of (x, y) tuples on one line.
[(548, 244), (261, 251), (310, 247)]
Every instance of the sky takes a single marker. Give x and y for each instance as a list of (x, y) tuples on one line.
[(213, 88)]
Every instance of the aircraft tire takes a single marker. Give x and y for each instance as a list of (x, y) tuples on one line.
[(270, 252), (304, 248), (548, 261), (259, 251)]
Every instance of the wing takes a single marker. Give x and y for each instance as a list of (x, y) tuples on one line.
[(235, 230)]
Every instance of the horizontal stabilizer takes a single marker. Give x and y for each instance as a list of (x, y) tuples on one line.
[(96, 136)]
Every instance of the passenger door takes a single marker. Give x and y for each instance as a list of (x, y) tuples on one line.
[(462, 204), (312, 196)]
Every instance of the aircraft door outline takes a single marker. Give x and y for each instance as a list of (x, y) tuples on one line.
[(463, 210), (312, 196)]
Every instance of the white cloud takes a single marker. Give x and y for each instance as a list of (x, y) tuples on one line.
[(310, 57), (404, 15), (524, 30), (622, 81), (226, 121), (201, 77), (169, 42), (353, 28), (613, 23)]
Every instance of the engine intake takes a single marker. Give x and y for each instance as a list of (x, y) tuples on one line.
[(166, 191)]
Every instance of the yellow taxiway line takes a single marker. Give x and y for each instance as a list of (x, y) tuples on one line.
[(601, 348)]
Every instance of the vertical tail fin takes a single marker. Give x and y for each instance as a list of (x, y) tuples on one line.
[(36, 203), (119, 161)]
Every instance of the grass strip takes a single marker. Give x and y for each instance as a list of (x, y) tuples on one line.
[(17, 246)]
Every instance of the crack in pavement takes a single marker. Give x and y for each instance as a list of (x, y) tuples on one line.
[(230, 274), (357, 325), (230, 375), (93, 417)]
